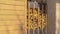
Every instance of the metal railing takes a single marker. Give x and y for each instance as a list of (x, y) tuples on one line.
[(36, 18)]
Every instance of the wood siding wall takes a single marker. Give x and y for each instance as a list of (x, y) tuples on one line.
[(13, 16)]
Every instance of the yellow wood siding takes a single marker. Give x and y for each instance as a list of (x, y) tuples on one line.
[(13, 16)]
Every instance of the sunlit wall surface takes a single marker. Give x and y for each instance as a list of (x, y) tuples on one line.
[(12, 16), (57, 18)]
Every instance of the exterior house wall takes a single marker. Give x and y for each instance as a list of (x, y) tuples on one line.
[(12, 16), (57, 16)]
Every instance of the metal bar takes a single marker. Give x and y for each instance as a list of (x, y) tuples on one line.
[(38, 19), (29, 19), (33, 17), (42, 17)]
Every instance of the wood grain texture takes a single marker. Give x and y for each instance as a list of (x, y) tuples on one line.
[(12, 16)]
